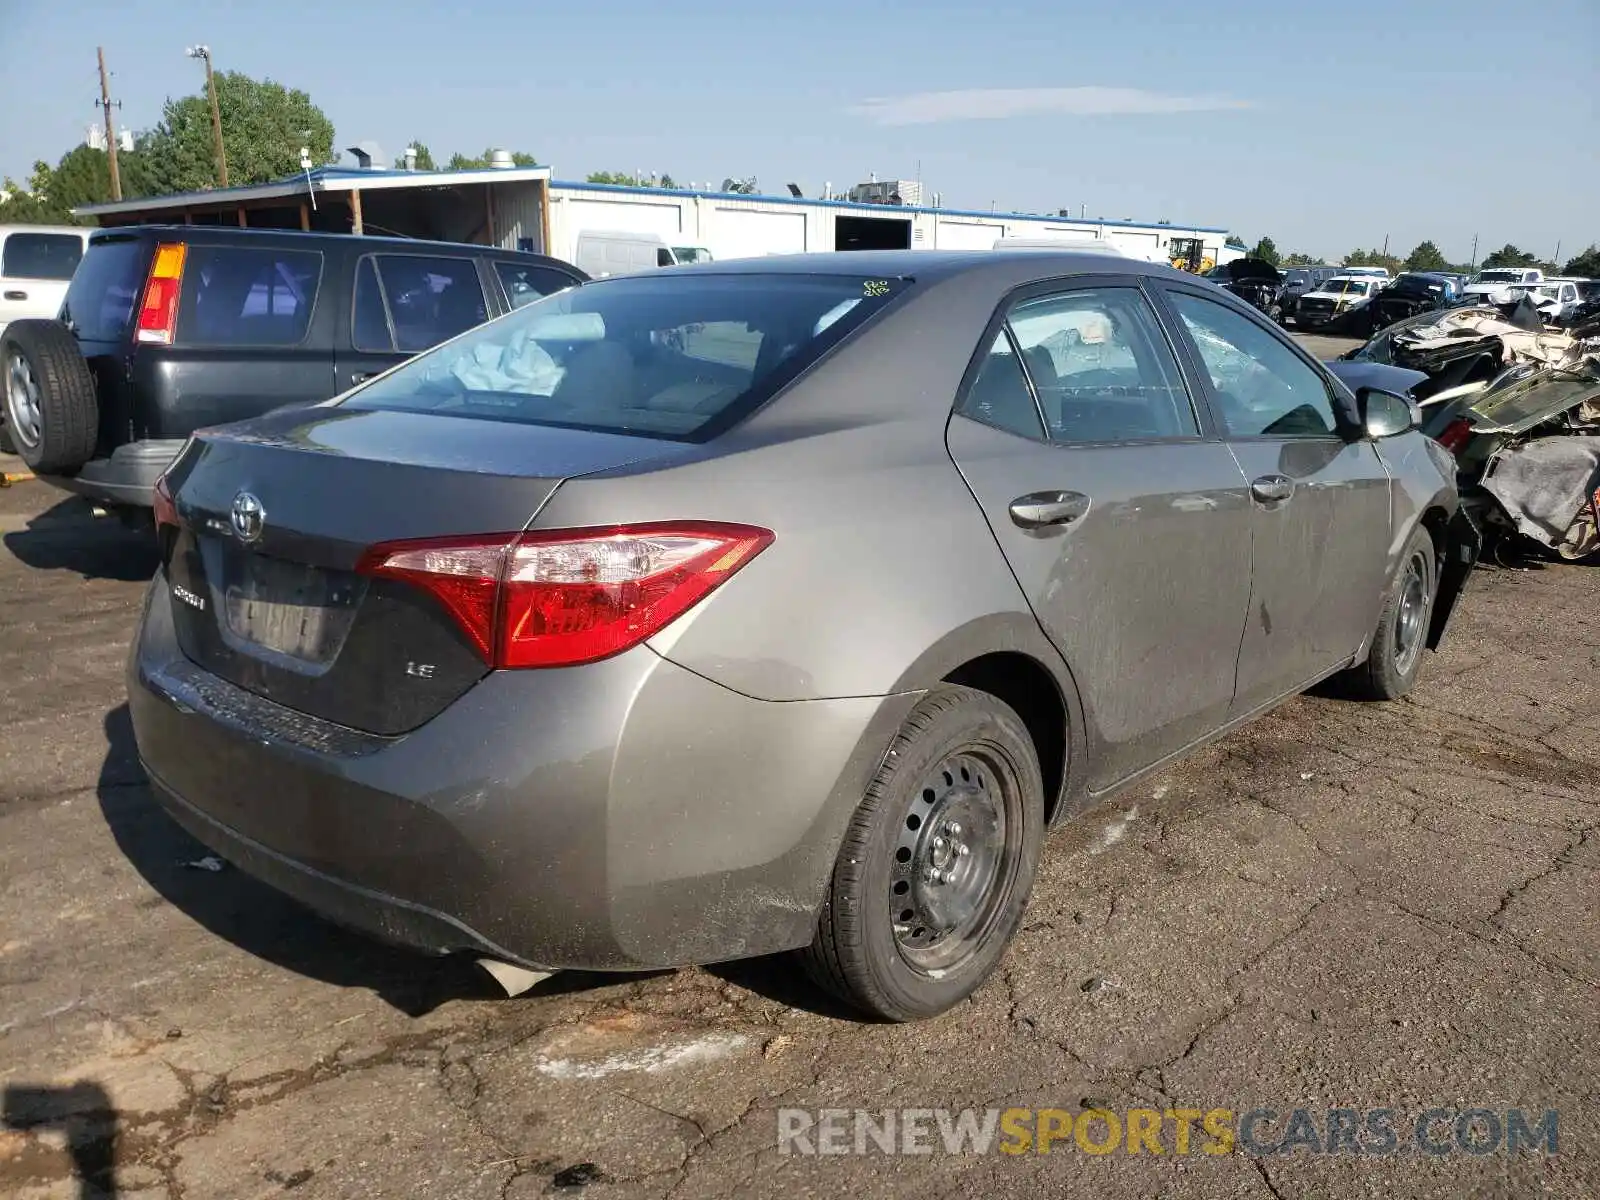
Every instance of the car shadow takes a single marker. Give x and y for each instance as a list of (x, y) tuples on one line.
[(780, 978), (69, 537), (257, 918), (80, 1111)]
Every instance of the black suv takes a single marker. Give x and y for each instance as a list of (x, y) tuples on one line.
[(166, 329)]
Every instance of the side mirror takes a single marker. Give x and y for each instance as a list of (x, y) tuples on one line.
[(1386, 414)]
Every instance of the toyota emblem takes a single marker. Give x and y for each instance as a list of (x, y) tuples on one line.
[(248, 517)]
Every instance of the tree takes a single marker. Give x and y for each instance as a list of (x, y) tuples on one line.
[(1267, 250), (1426, 257), (1509, 256), (83, 176), (1372, 258), (1300, 258), (1586, 264), (1235, 242), (460, 162), (424, 155), (264, 125), (625, 178)]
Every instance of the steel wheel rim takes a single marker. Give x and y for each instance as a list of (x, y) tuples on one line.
[(955, 852), (22, 401), (1409, 625)]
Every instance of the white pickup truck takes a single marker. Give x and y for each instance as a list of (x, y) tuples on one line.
[(1501, 285)]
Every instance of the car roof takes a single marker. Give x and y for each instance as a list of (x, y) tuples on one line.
[(78, 229), (1015, 266)]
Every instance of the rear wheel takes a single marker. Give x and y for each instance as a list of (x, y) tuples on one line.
[(1395, 660), (52, 415), (937, 863)]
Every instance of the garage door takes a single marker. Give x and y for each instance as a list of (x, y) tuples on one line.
[(967, 235), (617, 216), (744, 233)]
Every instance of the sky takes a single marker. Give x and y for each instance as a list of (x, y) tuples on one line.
[(1324, 126)]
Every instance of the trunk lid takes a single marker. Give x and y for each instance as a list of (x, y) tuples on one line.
[(275, 515)]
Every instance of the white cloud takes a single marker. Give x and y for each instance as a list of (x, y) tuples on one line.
[(987, 104)]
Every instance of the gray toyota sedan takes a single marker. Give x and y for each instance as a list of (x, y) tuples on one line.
[(777, 605)]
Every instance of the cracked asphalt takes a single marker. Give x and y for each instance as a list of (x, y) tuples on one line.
[(1343, 905)]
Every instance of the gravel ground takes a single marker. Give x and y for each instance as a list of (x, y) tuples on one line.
[(1342, 906)]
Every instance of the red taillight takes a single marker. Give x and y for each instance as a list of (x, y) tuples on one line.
[(1455, 435), (558, 598), (158, 313), (166, 509)]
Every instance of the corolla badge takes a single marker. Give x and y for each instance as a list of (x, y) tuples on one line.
[(248, 517)]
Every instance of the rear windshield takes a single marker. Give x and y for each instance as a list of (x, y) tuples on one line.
[(234, 296), (99, 303), (41, 255), (671, 356)]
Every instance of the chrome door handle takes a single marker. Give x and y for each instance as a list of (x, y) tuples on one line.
[(1272, 489), (360, 377), (1039, 509)]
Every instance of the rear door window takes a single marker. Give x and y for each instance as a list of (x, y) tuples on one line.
[(527, 282), (429, 299), (41, 255), (1101, 368), (100, 299), (247, 296)]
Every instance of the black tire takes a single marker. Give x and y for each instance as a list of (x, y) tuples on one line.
[(52, 413), (5, 438), (1395, 659), (960, 754)]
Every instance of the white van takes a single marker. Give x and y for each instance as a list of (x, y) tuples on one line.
[(599, 253), (36, 263)]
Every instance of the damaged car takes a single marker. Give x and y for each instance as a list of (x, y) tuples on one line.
[(1519, 410), (1254, 280), (1412, 293)]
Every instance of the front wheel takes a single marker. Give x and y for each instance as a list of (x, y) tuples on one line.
[(1395, 659), (937, 863)]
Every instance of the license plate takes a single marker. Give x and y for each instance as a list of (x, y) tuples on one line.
[(285, 607)]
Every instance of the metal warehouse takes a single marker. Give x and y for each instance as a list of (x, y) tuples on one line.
[(741, 226), (519, 208)]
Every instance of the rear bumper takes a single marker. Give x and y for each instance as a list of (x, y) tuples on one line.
[(127, 478), (624, 815)]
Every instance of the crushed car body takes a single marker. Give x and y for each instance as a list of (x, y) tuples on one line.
[(1517, 404)]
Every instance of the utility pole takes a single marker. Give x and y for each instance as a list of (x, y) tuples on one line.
[(111, 129), (1473, 265), (204, 52)]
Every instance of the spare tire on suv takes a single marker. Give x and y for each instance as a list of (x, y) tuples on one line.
[(52, 416)]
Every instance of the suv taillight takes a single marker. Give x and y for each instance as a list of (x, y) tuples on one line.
[(559, 598), (158, 313)]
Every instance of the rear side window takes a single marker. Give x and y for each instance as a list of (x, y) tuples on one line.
[(100, 299), (429, 300), (239, 296), (674, 356), (527, 282), (41, 255)]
